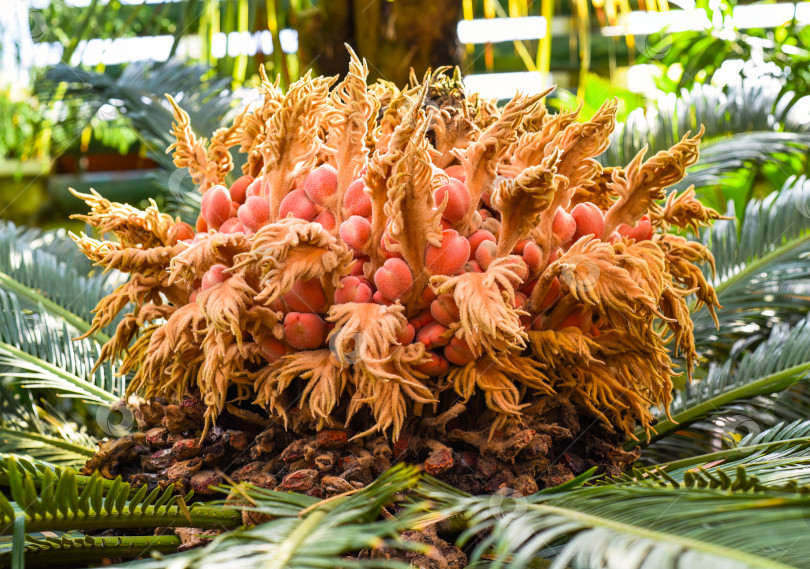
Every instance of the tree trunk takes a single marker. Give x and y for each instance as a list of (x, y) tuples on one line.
[(392, 36)]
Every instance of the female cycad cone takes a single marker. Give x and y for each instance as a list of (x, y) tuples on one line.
[(412, 265)]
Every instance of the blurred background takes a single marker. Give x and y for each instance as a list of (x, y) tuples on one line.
[(82, 82)]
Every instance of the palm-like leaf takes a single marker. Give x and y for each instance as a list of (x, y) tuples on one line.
[(747, 128), (46, 436), (62, 504), (762, 278), (49, 549), (139, 95), (304, 532), (36, 350), (70, 448), (45, 268), (58, 501), (639, 526), (722, 427), (762, 273), (754, 106), (37, 353), (722, 161), (777, 458), (773, 366), (35, 469)]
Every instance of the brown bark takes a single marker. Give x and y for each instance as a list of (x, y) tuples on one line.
[(392, 36)]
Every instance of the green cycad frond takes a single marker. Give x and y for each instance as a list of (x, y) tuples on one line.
[(774, 365), (45, 269), (723, 159), (44, 298), (34, 469), (36, 351), (139, 95), (762, 272), (747, 132), (40, 434), (62, 450), (61, 504), (726, 427), (762, 278), (61, 444), (777, 455), (644, 526), (37, 355), (754, 106), (775, 459), (26, 465), (54, 501), (308, 533), (48, 550)]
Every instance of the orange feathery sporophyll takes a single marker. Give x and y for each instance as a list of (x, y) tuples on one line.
[(386, 247)]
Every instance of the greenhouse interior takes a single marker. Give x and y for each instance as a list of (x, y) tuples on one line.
[(440, 284)]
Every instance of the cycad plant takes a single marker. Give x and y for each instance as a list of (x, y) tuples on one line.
[(411, 267), (359, 306)]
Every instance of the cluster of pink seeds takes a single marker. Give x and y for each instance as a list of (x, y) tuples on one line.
[(243, 209)]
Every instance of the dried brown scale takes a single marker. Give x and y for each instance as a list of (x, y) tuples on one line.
[(440, 554), (300, 481), (326, 464), (182, 469), (204, 481), (193, 538), (439, 461)]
